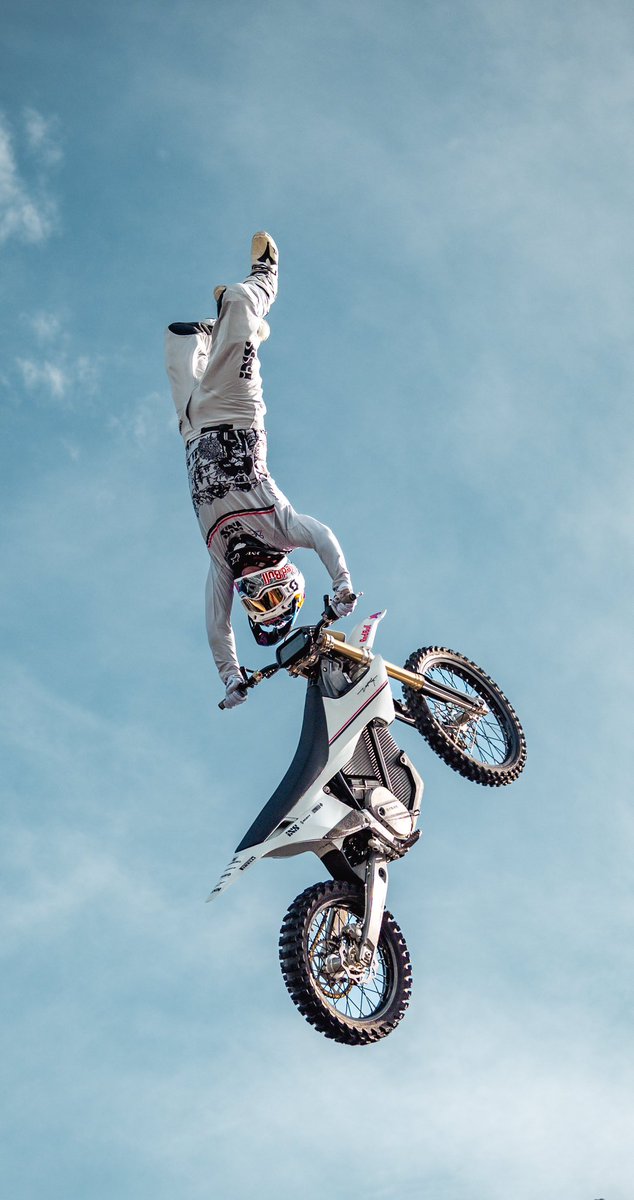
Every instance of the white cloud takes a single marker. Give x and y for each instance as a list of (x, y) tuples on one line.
[(58, 876), (46, 326), (42, 135), (58, 372), (72, 449), (26, 213), (47, 375), (144, 421)]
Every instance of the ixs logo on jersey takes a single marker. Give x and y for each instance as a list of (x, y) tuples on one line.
[(248, 359), (276, 574)]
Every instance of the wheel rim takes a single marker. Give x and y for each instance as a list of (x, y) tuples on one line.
[(330, 931), (489, 739)]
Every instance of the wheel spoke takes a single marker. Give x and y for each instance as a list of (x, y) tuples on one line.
[(319, 944), (484, 738), (475, 730), (358, 1001)]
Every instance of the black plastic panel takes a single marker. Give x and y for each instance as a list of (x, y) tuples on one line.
[(310, 759)]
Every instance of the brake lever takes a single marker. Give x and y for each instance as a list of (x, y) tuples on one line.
[(329, 616)]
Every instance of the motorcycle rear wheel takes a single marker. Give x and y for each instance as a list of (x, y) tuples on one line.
[(319, 924), (489, 749)]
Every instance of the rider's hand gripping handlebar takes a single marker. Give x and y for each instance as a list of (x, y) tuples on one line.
[(327, 618), (251, 681)]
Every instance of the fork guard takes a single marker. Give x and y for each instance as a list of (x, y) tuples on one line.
[(376, 883)]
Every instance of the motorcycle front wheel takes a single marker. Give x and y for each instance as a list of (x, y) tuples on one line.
[(318, 930), (488, 746)]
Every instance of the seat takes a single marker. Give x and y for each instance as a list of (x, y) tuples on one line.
[(310, 759)]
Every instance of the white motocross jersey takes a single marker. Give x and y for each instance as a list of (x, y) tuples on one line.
[(214, 372), (265, 512)]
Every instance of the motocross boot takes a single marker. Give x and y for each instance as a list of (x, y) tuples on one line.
[(264, 252)]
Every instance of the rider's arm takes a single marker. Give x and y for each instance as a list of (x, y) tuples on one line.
[(301, 530), (218, 600)]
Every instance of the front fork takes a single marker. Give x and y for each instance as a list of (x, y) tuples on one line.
[(376, 880)]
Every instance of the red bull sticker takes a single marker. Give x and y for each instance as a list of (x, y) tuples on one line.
[(276, 574)]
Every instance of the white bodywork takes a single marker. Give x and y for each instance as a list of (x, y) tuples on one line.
[(364, 633), (317, 813)]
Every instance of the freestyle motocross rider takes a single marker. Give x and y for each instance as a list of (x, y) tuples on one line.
[(248, 524)]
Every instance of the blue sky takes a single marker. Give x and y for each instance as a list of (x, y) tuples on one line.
[(449, 383)]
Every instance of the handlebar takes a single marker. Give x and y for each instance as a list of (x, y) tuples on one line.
[(331, 643), (250, 681)]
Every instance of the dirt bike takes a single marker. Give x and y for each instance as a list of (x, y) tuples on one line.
[(353, 798)]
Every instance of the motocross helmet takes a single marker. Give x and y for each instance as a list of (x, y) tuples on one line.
[(272, 597), (245, 553)]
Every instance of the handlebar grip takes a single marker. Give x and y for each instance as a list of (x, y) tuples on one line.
[(247, 684), (242, 689)]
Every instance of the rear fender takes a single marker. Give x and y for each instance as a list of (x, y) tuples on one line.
[(309, 822), (239, 863)]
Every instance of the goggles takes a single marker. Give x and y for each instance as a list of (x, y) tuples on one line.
[(272, 594), (259, 602)]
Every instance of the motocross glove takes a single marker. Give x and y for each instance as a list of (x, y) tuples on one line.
[(236, 692), (344, 602)]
